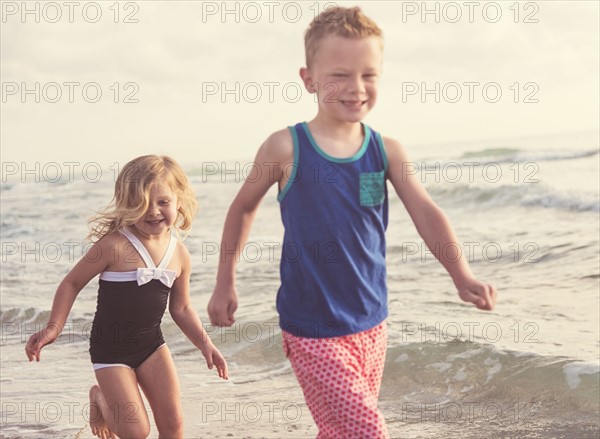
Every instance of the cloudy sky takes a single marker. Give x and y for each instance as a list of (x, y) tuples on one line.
[(201, 81)]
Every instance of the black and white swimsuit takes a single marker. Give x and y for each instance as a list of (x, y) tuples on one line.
[(126, 328)]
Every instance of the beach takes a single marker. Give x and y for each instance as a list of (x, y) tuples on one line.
[(530, 368), (496, 104)]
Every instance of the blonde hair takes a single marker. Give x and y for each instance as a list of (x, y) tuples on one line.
[(132, 192), (344, 22)]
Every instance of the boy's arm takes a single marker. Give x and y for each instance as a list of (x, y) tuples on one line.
[(93, 263), (272, 157), (186, 317), (435, 229)]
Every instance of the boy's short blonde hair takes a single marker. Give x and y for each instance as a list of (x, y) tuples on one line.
[(344, 22)]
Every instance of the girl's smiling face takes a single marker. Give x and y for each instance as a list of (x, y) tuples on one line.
[(162, 211)]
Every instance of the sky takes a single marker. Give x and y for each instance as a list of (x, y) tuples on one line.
[(203, 81)]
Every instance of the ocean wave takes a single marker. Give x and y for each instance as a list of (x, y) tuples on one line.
[(4, 186), (16, 316), (14, 226), (444, 372), (514, 155), (507, 195), (439, 373)]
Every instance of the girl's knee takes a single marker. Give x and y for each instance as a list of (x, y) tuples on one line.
[(172, 426), (133, 430)]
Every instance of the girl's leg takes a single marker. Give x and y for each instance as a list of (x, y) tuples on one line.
[(97, 423), (117, 404), (158, 379)]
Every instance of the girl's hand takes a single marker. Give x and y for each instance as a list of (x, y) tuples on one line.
[(214, 357), (40, 339), (482, 295)]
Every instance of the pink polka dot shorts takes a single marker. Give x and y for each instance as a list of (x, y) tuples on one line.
[(341, 378)]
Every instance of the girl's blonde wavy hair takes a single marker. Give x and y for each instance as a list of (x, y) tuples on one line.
[(132, 192)]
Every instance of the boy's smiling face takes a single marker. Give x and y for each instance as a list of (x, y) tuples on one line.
[(345, 74)]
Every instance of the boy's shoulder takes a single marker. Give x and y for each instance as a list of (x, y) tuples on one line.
[(393, 147), (391, 141), (278, 147), (396, 156), (280, 138)]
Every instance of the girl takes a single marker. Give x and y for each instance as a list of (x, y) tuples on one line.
[(140, 263)]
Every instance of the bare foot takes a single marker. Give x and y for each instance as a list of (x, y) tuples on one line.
[(97, 422)]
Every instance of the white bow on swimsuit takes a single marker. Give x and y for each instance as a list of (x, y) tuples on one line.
[(151, 271)]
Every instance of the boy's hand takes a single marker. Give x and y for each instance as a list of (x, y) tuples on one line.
[(40, 339), (480, 294), (215, 358), (222, 306)]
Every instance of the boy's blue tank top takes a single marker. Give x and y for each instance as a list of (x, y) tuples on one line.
[(335, 214)]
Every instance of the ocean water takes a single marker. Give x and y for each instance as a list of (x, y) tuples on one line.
[(526, 212)]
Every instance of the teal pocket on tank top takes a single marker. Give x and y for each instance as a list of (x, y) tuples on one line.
[(372, 188)]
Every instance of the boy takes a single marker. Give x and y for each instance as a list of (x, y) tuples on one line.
[(332, 175)]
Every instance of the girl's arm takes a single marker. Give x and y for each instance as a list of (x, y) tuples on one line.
[(94, 262), (435, 229), (186, 317)]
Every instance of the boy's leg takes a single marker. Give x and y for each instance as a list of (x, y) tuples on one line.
[(118, 404), (158, 379), (340, 383), (375, 341)]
